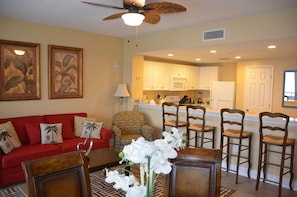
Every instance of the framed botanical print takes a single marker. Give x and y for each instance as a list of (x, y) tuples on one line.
[(19, 70), (65, 72)]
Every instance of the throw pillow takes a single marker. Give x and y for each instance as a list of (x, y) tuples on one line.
[(5, 142), (79, 123), (91, 129), (67, 128), (9, 139), (33, 132), (51, 133)]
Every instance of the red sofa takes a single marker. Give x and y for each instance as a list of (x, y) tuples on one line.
[(10, 166)]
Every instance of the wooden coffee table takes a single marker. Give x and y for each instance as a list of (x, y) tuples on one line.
[(102, 158)]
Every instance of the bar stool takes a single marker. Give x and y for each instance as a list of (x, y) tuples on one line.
[(196, 123), (232, 128), (170, 115), (275, 136)]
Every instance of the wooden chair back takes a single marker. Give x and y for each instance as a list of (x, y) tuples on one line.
[(60, 175), (195, 172), (267, 128), (227, 123), (170, 115)]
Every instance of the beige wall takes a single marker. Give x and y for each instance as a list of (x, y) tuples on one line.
[(100, 77), (273, 25), (279, 66)]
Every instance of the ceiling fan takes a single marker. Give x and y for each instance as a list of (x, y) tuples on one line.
[(150, 11)]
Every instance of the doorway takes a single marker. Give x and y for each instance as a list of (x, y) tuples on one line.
[(258, 89)]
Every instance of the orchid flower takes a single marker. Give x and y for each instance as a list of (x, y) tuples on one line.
[(153, 157)]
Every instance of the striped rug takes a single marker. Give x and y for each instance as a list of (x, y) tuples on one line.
[(99, 188)]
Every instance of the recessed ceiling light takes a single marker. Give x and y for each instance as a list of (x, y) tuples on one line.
[(271, 47), (212, 51), (237, 57), (198, 59), (170, 54)]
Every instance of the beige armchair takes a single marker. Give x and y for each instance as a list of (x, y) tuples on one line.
[(128, 125)]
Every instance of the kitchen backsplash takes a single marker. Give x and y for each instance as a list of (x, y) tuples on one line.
[(148, 95)]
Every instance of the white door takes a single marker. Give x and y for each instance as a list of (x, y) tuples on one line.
[(258, 89)]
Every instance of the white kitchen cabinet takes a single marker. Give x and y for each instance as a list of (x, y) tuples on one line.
[(156, 76), (147, 76), (178, 70), (193, 78), (207, 74)]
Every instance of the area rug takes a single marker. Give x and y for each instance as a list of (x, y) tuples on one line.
[(99, 188)]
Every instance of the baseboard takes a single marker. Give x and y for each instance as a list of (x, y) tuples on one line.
[(253, 175)]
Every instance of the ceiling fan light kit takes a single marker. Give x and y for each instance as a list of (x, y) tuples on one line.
[(133, 19), (137, 11)]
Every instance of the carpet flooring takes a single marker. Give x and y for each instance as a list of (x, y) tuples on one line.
[(99, 188)]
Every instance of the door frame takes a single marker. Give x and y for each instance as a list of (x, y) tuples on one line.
[(271, 67)]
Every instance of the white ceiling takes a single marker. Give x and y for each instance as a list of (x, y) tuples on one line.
[(76, 15)]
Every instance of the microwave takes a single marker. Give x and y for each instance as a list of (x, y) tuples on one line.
[(178, 84)]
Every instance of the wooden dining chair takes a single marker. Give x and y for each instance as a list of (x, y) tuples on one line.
[(195, 172), (59, 175), (196, 125), (274, 142), (170, 115)]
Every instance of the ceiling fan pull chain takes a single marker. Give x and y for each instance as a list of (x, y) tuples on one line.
[(136, 36)]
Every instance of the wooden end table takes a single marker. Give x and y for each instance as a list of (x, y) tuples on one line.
[(102, 158)]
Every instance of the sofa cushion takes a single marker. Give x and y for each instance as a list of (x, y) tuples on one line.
[(67, 121), (92, 129), (34, 132), (67, 127), (9, 139), (51, 133), (71, 144), (28, 152), (19, 125), (79, 123)]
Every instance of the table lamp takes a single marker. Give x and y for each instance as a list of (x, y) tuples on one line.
[(122, 92)]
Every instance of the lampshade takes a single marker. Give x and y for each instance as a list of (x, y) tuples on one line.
[(122, 91), (132, 19)]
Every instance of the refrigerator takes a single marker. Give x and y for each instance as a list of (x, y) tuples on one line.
[(222, 94)]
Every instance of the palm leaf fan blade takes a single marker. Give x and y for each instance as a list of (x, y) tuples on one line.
[(164, 8), (114, 16), (151, 18), (103, 5)]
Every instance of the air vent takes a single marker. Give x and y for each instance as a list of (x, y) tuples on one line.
[(214, 34)]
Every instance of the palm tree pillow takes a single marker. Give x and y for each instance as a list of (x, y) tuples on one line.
[(51, 133), (91, 129), (9, 139)]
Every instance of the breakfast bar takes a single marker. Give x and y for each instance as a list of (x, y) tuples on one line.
[(153, 116)]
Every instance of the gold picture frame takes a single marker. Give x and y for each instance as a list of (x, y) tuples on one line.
[(19, 70), (65, 72)]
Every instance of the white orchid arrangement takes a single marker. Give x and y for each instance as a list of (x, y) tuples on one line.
[(153, 158)]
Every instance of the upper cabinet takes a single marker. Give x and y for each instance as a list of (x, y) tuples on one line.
[(178, 70), (207, 75), (156, 76), (193, 80)]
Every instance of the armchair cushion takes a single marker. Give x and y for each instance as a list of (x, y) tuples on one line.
[(129, 125)]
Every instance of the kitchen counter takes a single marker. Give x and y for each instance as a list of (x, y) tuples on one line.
[(210, 112), (153, 117)]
